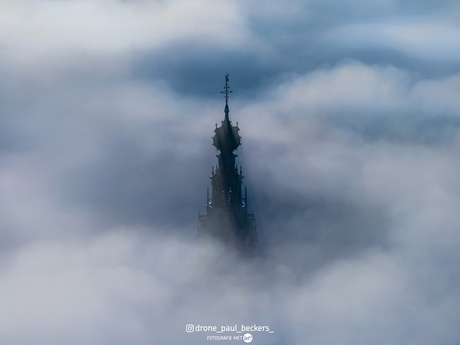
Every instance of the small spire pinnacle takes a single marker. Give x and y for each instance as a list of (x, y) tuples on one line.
[(246, 197)]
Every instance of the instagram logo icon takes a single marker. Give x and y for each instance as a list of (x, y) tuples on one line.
[(189, 328)]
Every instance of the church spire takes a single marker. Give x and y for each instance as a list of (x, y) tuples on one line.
[(227, 218)]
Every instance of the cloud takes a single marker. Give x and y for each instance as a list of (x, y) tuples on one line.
[(350, 118), (42, 27), (119, 288)]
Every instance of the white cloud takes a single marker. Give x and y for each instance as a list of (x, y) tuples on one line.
[(43, 29), (427, 37), (102, 146), (119, 286)]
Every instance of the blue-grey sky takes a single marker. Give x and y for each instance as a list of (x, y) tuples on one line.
[(350, 117)]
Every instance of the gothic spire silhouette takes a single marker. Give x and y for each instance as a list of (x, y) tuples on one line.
[(227, 219)]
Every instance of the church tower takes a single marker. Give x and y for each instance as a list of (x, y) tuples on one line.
[(227, 218)]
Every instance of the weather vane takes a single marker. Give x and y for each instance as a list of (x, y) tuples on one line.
[(226, 88)]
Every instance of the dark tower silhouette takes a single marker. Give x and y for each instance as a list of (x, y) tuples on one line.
[(227, 218)]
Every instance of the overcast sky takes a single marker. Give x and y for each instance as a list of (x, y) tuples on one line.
[(349, 113)]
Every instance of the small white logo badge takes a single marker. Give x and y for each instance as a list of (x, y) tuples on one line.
[(247, 338)]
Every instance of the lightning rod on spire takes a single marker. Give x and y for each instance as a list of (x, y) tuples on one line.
[(226, 88)]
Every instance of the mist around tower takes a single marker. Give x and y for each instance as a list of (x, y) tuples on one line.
[(345, 120)]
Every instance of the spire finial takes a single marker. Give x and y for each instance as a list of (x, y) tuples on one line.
[(226, 92)]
